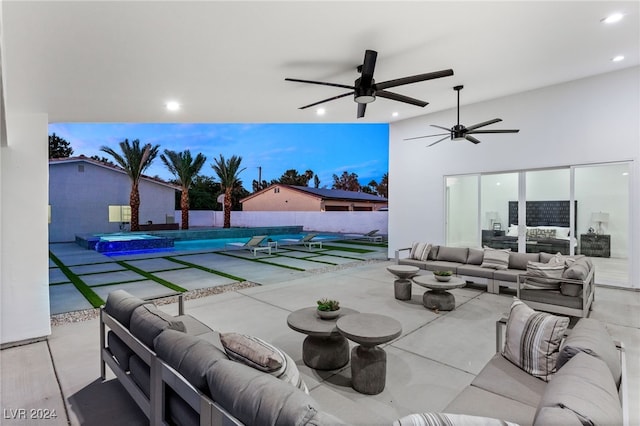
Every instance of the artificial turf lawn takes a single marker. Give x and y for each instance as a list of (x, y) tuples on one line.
[(95, 300)]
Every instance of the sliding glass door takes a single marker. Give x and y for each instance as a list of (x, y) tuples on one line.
[(462, 210), (497, 191)]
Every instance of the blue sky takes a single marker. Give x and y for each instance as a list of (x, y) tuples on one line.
[(326, 149)]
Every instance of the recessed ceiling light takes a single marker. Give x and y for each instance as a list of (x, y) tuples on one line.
[(613, 18), (617, 58), (173, 106), (320, 111), (394, 114), (625, 174)]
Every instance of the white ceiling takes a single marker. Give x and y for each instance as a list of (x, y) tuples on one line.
[(89, 61)]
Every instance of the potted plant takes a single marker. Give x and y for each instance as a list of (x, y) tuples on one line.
[(328, 308), (442, 275)]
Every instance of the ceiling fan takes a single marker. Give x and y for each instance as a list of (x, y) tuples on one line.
[(459, 131), (365, 89)]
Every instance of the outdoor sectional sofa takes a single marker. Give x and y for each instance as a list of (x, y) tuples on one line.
[(573, 297), (177, 372)]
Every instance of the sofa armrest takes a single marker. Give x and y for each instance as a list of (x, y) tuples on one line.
[(398, 252), (500, 326), (623, 391)]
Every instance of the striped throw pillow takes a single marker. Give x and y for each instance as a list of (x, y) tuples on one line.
[(495, 259), (543, 276), (533, 339), (420, 251), (446, 419), (263, 356)]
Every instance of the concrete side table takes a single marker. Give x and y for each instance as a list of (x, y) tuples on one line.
[(437, 297), (402, 286), (324, 348), (368, 361)]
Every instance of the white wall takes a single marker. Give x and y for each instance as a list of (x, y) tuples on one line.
[(580, 122), (24, 264), (343, 222), (79, 200)]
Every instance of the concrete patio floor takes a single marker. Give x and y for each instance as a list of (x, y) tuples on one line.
[(436, 356)]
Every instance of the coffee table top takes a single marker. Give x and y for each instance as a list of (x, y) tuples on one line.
[(429, 281), (307, 321), (369, 329), (403, 271)]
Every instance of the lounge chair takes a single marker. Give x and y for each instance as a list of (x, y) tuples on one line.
[(371, 236), (253, 244), (305, 241)]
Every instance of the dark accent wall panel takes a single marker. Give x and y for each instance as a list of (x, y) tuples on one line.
[(544, 213)]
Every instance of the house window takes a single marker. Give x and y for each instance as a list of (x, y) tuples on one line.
[(120, 214), (80, 168), (336, 208), (276, 190)]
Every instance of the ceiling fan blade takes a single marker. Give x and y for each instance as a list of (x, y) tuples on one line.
[(368, 66), (344, 86), (472, 139), (326, 100), (438, 141), (484, 123), (440, 127), (401, 98), (496, 131), (361, 109), (413, 79), (427, 136)]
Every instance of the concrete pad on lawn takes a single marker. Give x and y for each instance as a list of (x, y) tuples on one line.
[(155, 264), (66, 298), (57, 276), (96, 268), (338, 259), (146, 289), (298, 254), (296, 263), (111, 277), (192, 278)]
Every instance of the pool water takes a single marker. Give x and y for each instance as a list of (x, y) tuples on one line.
[(219, 243)]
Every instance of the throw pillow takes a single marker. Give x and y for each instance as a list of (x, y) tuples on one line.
[(252, 351), (446, 419), (512, 231), (544, 276), (495, 259), (263, 356), (420, 251), (533, 338)]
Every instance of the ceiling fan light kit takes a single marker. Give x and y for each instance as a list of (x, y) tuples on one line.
[(459, 132), (365, 89)]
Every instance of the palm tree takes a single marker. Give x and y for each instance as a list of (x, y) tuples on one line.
[(227, 171), (134, 160), (184, 168)]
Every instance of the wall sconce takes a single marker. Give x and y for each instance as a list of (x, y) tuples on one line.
[(600, 218)]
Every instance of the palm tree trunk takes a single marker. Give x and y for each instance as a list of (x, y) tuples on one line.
[(227, 208), (184, 206), (134, 202)]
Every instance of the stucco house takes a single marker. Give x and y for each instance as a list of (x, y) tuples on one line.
[(81, 191), (280, 197)]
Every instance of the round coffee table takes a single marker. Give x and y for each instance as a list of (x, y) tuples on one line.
[(402, 286), (368, 361), (324, 348), (437, 297)]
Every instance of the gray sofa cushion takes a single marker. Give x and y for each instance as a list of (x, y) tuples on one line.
[(584, 385), (433, 254), (578, 269), (475, 271), (500, 376), (510, 275), (256, 398), (520, 260), (479, 402), (119, 349), (590, 336), (140, 373), (551, 416), (180, 412), (442, 265), (546, 257), (147, 322), (475, 256), (192, 326), (412, 262), (573, 290), (453, 254), (191, 356), (121, 304)]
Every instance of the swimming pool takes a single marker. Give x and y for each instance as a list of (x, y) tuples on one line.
[(219, 243), (110, 243)]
